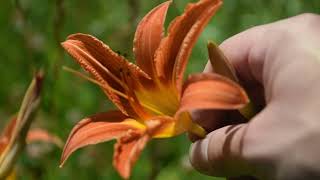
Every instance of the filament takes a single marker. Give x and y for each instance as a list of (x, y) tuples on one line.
[(111, 75), (104, 68), (106, 86)]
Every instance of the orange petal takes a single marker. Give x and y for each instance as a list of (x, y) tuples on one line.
[(127, 151), (97, 53), (148, 36), (41, 135), (106, 66), (99, 128), (211, 91), (174, 50), (220, 63)]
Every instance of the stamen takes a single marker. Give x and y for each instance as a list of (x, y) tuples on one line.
[(104, 68), (152, 109), (112, 75), (105, 86), (135, 104), (124, 78)]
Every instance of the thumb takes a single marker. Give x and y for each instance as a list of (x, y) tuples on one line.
[(220, 153)]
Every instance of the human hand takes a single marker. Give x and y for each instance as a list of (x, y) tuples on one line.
[(279, 66)]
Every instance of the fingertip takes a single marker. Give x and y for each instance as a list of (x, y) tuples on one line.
[(198, 156), (219, 154)]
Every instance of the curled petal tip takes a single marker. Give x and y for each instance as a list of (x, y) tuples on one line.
[(62, 162), (71, 36), (65, 44), (62, 43)]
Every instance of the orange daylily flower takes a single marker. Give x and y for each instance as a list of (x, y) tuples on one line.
[(152, 99), (16, 134)]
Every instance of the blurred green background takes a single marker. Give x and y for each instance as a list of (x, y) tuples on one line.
[(31, 32)]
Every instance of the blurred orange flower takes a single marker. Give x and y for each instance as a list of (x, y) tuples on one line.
[(16, 133), (152, 99)]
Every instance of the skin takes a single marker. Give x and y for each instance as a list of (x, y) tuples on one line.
[(279, 66)]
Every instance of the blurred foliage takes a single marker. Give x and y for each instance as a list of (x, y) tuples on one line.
[(31, 32)]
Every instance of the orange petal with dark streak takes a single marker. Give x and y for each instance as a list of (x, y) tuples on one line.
[(106, 66), (211, 91), (99, 128), (175, 49), (104, 55), (191, 39), (127, 151), (148, 36)]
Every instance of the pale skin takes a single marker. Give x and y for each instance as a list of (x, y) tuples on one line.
[(280, 64)]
